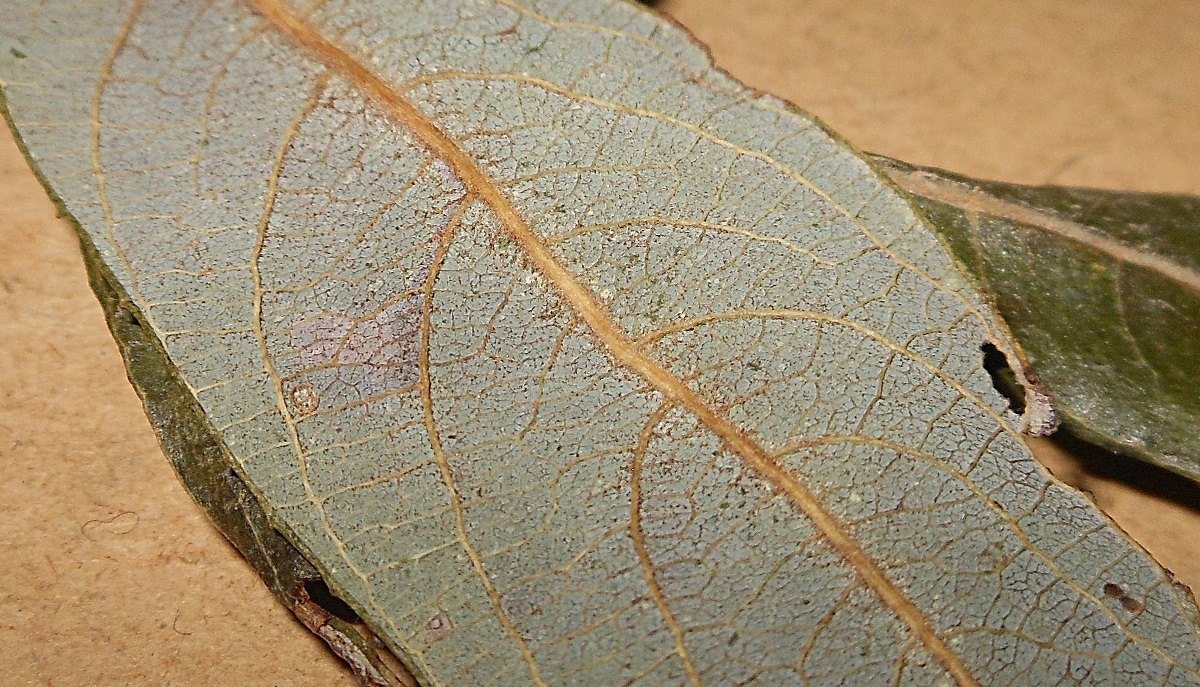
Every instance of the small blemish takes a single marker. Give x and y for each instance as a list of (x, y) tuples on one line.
[(438, 625), (305, 399), (17, 53), (1132, 605), (1114, 591)]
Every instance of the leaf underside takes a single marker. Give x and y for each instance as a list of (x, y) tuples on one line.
[(565, 359), (1102, 291)]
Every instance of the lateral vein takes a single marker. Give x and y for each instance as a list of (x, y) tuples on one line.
[(619, 345)]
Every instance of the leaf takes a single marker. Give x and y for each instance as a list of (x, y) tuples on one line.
[(1102, 291), (562, 357)]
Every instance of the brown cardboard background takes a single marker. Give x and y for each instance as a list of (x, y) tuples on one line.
[(112, 576)]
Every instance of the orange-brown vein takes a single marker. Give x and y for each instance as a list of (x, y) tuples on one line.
[(809, 315), (443, 461), (1027, 543), (638, 535), (619, 346), (105, 77), (686, 224), (705, 134), (285, 413)]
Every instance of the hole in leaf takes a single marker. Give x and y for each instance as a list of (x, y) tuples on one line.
[(318, 592), (1003, 378), (127, 315)]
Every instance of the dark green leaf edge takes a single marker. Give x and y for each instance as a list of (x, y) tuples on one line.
[(208, 473), (1131, 212)]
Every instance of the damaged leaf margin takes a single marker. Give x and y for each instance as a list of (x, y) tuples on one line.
[(1101, 290)]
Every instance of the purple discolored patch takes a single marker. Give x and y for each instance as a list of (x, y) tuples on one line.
[(376, 354)]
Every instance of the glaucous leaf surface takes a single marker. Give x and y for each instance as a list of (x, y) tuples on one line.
[(1101, 290), (564, 358)]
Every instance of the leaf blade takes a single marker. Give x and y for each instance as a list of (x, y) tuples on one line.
[(479, 259)]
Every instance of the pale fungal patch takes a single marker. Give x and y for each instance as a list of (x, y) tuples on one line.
[(1041, 412), (1041, 417)]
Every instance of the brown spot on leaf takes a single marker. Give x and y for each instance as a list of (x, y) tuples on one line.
[(438, 625), (305, 399), (1115, 591), (1131, 604)]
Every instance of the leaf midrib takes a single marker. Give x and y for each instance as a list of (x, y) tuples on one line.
[(618, 344)]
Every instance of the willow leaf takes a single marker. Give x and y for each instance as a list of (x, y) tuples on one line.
[(561, 357), (1102, 291)]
